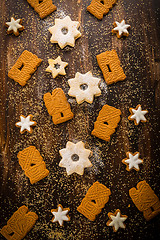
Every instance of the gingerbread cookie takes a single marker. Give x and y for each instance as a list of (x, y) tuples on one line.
[(95, 199), (109, 64), (116, 220), (32, 163), (58, 106), (84, 87), (106, 122), (121, 29), (137, 115), (65, 32), (24, 67), (132, 161), (145, 200), (56, 67), (75, 158), (60, 215), (100, 7), (25, 124), (21, 222), (42, 7), (14, 26)]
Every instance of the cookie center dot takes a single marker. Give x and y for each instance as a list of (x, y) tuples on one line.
[(83, 87), (75, 157), (57, 66), (64, 30), (40, 1), (102, 2)]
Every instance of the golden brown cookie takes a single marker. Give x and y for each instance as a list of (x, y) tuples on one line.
[(95, 199), (24, 67), (58, 106), (100, 7), (109, 64), (116, 220), (21, 222), (106, 122), (14, 26), (145, 200), (42, 7), (32, 163)]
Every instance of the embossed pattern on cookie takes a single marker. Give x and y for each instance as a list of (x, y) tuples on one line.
[(58, 106), (109, 64), (106, 122), (100, 7), (21, 222), (32, 163), (95, 199), (145, 200), (24, 67), (43, 7)]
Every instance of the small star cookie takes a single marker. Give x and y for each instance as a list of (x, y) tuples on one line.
[(84, 87), (14, 26), (56, 67), (25, 124), (132, 161), (60, 214), (64, 32), (116, 220), (137, 114), (75, 158), (121, 29)]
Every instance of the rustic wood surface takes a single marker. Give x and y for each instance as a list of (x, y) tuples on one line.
[(140, 59)]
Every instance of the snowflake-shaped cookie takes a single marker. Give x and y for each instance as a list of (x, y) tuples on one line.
[(84, 87), (137, 114), (116, 220), (14, 26), (64, 32), (132, 161), (121, 29), (60, 214), (25, 124), (75, 158), (56, 67)]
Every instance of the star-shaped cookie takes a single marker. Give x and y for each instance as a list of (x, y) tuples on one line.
[(14, 26), (60, 214), (25, 124), (64, 32), (84, 87), (116, 220), (75, 158), (132, 161), (121, 29), (56, 67), (137, 114)]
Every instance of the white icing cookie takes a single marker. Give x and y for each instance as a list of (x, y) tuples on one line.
[(60, 214), (137, 114), (84, 87), (25, 124), (56, 67), (64, 32), (121, 29), (75, 158), (14, 26), (116, 220), (132, 161)]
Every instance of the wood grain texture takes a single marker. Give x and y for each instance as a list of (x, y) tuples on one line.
[(140, 58)]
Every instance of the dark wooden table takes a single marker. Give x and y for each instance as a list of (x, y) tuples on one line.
[(140, 59)]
